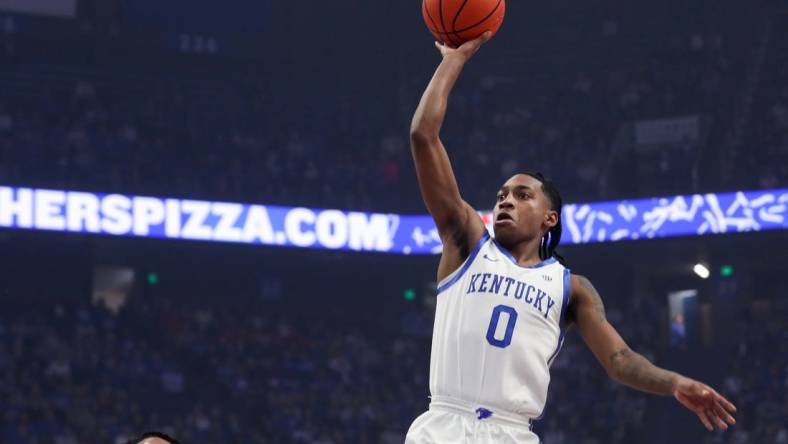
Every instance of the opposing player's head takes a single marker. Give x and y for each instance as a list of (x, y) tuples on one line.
[(154, 438), (528, 206)]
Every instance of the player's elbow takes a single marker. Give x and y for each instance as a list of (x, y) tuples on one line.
[(423, 130), (422, 135)]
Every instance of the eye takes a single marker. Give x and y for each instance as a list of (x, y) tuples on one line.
[(499, 197), (522, 195)]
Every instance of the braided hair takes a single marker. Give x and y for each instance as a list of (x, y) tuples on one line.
[(159, 435), (552, 238)]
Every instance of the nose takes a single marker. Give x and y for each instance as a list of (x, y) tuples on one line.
[(506, 202)]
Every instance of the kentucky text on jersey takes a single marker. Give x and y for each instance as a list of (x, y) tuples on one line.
[(510, 287)]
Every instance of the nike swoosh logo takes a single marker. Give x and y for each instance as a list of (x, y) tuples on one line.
[(490, 259)]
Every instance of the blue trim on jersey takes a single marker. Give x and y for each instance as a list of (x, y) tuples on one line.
[(514, 261), (562, 319), (467, 263)]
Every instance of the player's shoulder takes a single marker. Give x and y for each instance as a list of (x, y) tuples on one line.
[(580, 287), (577, 280), (580, 291)]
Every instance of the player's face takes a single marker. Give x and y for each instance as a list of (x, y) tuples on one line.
[(522, 211)]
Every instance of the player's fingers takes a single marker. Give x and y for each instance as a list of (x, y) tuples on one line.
[(705, 420), (722, 413), (714, 416), (444, 48), (477, 43), (725, 403), (473, 45)]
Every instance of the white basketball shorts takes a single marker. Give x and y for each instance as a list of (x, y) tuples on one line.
[(448, 422)]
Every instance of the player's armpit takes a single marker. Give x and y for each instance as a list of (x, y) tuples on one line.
[(459, 240)]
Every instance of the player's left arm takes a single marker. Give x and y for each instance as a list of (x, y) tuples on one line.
[(628, 367)]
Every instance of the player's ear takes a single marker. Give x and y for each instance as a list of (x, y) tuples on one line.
[(551, 218)]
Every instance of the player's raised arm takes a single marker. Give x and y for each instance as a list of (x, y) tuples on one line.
[(457, 221), (632, 369)]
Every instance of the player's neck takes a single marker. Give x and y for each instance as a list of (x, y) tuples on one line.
[(526, 253)]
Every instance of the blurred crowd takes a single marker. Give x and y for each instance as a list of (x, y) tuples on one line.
[(758, 378), (235, 134), (768, 128), (205, 375), (217, 373), (225, 372)]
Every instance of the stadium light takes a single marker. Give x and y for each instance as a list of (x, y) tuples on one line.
[(701, 270)]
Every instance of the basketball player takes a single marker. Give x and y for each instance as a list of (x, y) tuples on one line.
[(504, 303)]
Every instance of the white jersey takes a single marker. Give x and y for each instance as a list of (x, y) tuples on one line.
[(498, 328)]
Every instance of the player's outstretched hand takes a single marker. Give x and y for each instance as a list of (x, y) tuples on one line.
[(711, 407), (467, 49)]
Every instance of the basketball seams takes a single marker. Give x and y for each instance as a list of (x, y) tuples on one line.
[(443, 24), (451, 35), (468, 28), (437, 31), (457, 17), (436, 34)]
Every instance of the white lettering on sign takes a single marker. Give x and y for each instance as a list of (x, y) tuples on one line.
[(258, 226), (82, 212), (19, 208), (293, 221), (148, 211), (116, 214), (49, 210)]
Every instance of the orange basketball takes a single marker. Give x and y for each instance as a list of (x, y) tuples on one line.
[(454, 22)]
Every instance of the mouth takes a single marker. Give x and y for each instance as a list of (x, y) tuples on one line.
[(504, 219)]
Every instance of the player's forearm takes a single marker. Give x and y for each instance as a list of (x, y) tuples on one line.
[(431, 111), (632, 369)]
